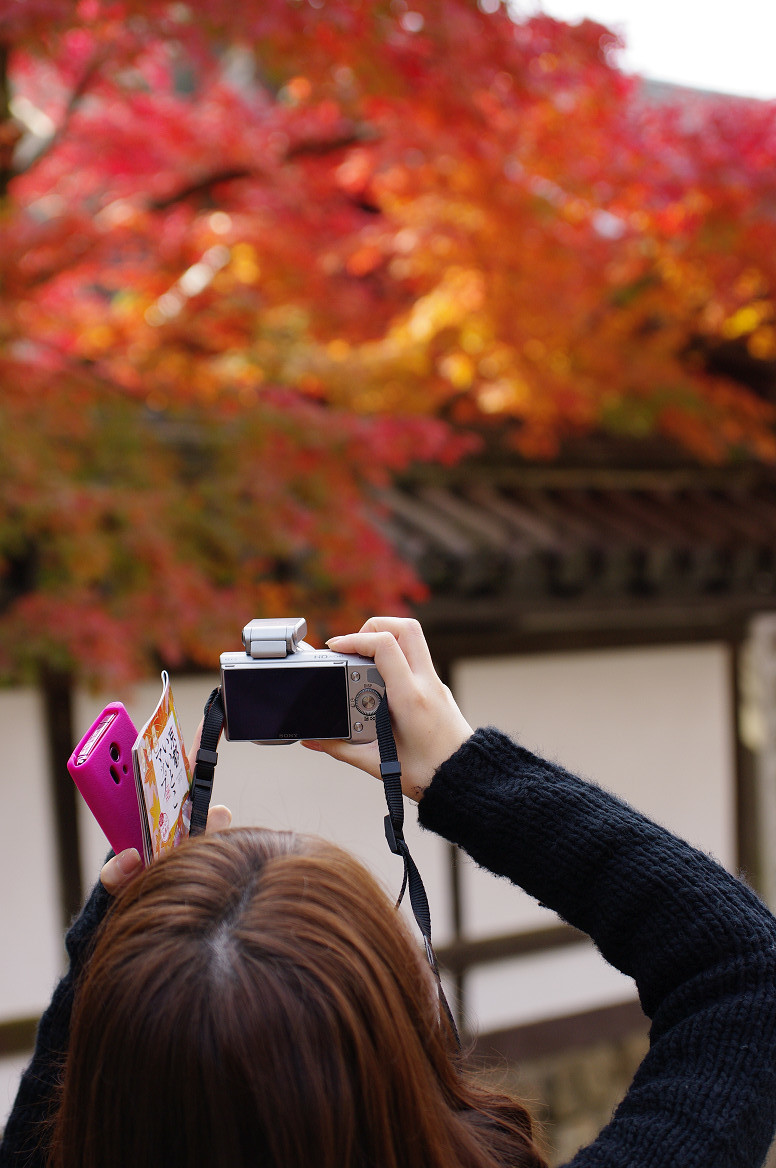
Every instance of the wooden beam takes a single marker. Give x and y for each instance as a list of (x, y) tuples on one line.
[(461, 955), (17, 1036)]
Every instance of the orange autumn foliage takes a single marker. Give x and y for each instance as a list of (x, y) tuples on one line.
[(255, 259)]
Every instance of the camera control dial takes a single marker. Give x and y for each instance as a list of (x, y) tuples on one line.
[(367, 701)]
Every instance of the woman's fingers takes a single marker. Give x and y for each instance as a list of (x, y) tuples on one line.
[(410, 637), (218, 818), (427, 724), (120, 869), (388, 656)]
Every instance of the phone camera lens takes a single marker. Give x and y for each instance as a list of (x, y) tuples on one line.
[(115, 753)]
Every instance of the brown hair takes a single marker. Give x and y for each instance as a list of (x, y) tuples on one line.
[(254, 999)]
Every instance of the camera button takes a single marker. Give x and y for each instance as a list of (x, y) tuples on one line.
[(358, 727), (355, 675), (367, 702)]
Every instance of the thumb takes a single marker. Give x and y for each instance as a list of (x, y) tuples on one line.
[(120, 869), (219, 818)]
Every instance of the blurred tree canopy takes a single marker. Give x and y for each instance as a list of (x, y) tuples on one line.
[(256, 258)]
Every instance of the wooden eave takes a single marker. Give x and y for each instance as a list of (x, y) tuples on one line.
[(530, 552)]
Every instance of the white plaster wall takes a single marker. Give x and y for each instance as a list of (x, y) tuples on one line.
[(10, 1072), (31, 950), (547, 985), (653, 725), (30, 942)]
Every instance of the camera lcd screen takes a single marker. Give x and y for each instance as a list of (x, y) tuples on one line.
[(286, 703)]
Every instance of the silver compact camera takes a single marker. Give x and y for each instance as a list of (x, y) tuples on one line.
[(282, 690)]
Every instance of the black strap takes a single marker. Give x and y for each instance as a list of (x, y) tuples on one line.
[(207, 757), (390, 770)]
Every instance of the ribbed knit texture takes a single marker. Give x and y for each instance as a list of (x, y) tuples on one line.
[(699, 944), (23, 1144)]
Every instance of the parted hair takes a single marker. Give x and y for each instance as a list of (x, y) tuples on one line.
[(254, 999)]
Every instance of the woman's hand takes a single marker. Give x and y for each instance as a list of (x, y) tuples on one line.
[(121, 869), (427, 724)]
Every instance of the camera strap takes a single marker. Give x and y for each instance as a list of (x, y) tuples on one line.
[(205, 765), (390, 771)]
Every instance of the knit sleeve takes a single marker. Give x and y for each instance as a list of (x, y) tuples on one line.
[(24, 1139), (699, 944)]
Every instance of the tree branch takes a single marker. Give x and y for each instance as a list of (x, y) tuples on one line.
[(9, 131), (312, 147), (74, 101), (200, 187), (316, 146)]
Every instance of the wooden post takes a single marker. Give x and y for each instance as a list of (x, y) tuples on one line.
[(57, 690), (758, 730)]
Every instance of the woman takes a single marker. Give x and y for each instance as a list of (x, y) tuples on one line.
[(253, 998)]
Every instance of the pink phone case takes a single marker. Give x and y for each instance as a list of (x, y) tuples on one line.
[(101, 768)]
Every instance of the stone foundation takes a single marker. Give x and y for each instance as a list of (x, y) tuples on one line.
[(573, 1094)]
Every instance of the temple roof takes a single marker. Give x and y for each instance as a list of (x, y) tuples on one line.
[(574, 547)]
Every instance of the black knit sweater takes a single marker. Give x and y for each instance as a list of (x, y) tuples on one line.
[(25, 1132), (699, 944)]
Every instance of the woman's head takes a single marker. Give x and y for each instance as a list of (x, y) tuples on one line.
[(255, 999)]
